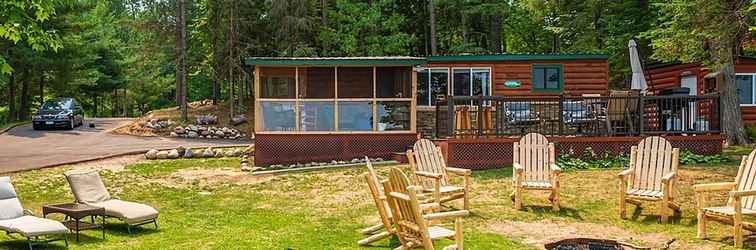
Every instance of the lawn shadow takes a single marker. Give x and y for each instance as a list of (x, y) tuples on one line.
[(492, 174), (676, 217), (18, 243), (542, 210), (121, 229)]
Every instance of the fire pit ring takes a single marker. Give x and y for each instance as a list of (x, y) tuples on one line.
[(586, 244)]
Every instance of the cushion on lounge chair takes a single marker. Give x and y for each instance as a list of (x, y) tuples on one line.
[(31, 226), (129, 212), (87, 186), (10, 206)]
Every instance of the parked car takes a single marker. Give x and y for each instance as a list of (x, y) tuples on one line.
[(59, 112)]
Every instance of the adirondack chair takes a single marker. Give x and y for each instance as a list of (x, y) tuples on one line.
[(429, 170), (378, 194), (413, 227), (534, 168), (742, 201), (650, 176)]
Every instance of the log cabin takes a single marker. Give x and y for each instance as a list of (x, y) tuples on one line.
[(700, 80)]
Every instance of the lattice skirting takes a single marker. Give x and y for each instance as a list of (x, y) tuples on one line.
[(485, 153), (303, 148)]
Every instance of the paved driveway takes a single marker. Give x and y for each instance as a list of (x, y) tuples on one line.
[(23, 148)]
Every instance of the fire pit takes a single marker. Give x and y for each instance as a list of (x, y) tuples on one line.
[(586, 244)]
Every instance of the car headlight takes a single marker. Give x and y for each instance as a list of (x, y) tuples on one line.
[(37, 117)]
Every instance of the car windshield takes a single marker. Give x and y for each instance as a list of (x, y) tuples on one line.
[(55, 105)]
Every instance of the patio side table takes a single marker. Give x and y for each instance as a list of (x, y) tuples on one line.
[(74, 212)]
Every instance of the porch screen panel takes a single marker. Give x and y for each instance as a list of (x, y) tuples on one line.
[(356, 115), (423, 88), (278, 115), (316, 116), (394, 82), (355, 82), (393, 115), (277, 82), (317, 82)]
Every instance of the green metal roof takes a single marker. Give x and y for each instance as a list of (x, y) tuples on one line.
[(516, 57), (336, 61)]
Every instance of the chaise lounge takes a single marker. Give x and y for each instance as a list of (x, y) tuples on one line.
[(15, 219), (88, 188)]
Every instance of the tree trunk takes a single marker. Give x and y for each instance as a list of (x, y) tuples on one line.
[(96, 102), (465, 29), (12, 98), (217, 72), (432, 14), (732, 122), (23, 111), (41, 87), (181, 59), (324, 13), (494, 40)]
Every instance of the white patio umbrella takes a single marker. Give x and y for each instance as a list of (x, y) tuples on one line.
[(639, 80)]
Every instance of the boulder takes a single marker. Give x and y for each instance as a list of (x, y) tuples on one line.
[(239, 119), (192, 134), (181, 149), (229, 153), (208, 153), (219, 133), (173, 154), (219, 153), (199, 153), (237, 152), (151, 155), (173, 134), (188, 153), (162, 155), (245, 167), (204, 132), (179, 130)]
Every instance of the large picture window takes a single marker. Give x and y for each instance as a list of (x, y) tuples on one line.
[(547, 78), (432, 83), (335, 99), (746, 84)]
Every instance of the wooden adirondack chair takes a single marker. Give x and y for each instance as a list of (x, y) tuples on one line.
[(429, 170), (378, 194), (535, 168), (742, 201), (413, 227), (650, 176)]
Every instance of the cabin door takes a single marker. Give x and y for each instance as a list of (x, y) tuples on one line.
[(690, 115)]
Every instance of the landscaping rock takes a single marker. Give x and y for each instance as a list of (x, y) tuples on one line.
[(181, 149), (192, 134), (151, 155), (245, 167), (188, 153), (208, 153), (162, 155), (255, 169), (219, 133), (179, 130), (207, 119), (173, 154), (219, 153), (229, 153), (239, 119), (199, 154), (173, 134), (204, 132)]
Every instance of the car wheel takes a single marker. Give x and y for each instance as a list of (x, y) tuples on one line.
[(36, 127)]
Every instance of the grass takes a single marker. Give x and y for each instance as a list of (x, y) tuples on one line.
[(207, 204), (3, 126)]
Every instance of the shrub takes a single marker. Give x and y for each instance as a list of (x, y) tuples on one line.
[(689, 158), (590, 160), (751, 132)]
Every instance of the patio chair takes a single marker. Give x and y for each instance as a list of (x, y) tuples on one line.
[(742, 201), (519, 115), (378, 194), (414, 228), (429, 170), (622, 109), (15, 219), (535, 169), (88, 188), (650, 176)]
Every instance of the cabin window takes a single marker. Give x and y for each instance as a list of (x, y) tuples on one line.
[(393, 116), (356, 115), (547, 78), (471, 82), (278, 115), (746, 84), (431, 83)]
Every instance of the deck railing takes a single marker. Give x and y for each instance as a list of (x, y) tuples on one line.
[(579, 115)]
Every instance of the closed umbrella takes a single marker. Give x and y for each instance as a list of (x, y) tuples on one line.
[(639, 80)]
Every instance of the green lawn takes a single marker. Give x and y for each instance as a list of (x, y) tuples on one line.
[(208, 204)]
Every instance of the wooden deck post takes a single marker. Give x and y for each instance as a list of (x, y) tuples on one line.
[(641, 116), (701, 216), (561, 111), (451, 112)]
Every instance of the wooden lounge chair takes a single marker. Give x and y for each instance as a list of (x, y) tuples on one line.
[(535, 168), (379, 197), (622, 110), (15, 219), (429, 170), (88, 188), (650, 176), (742, 201), (413, 227)]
